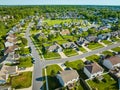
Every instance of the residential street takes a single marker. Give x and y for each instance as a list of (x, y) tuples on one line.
[(37, 70), (39, 64)]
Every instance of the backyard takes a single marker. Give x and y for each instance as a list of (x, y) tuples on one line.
[(108, 83)]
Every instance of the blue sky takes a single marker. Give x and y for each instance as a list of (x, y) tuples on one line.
[(60, 2)]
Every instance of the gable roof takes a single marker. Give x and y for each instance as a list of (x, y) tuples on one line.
[(53, 47), (68, 75), (69, 44), (65, 32), (10, 49), (93, 68), (114, 60)]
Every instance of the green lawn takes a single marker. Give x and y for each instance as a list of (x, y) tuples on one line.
[(110, 84), (107, 53), (93, 58), (52, 22), (51, 55), (93, 46), (70, 52), (23, 80), (75, 64), (25, 62), (107, 42), (117, 49), (115, 39), (52, 70), (82, 49), (70, 37)]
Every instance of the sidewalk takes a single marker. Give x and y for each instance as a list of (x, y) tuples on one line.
[(103, 44), (30, 88)]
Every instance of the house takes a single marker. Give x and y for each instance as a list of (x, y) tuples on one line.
[(103, 37), (91, 38), (69, 45), (54, 48), (83, 29), (10, 49), (81, 41), (114, 34), (11, 36), (65, 32), (11, 58), (93, 69), (5, 71), (112, 62), (67, 77), (10, 42)]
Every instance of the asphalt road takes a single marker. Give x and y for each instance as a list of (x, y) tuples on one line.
[(39, 63), (37, 71)]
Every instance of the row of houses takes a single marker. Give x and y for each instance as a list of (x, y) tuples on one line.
[(91, 69), (83, 41)]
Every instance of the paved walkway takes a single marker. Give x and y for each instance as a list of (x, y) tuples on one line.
[(83, 59), (86, 48), (63, 67), (62, 55), (102, 44), (79, 52)]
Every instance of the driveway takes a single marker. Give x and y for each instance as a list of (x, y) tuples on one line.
[(62, 55)]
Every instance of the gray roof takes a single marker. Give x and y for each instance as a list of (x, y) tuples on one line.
[(93, 68), (68, 75), (69, 44)]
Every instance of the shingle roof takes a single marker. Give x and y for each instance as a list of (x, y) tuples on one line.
[(93, 68), (114, 60), (10, 49), (68, 75)]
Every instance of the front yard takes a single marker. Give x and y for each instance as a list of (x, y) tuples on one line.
[(117, 49), (93, 46), (82, 49), (70, 52), (52, 70), (93, 58), (51, 55), (106, 42), (107, 84), (107, 53), (22, 81)]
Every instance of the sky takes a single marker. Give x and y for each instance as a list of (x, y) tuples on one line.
[(60, 2)]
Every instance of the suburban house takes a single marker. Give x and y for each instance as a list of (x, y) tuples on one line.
[(67, 77), (93, 70), (10, 49), (5, 71), (69, 45), (81, 41), (112, 62), (10, 42), (114, 34), (54, 48), (65, 32), (11, 58), (103, 37), (91, 38), (11, 36)]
